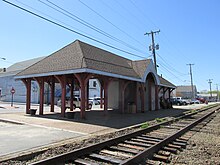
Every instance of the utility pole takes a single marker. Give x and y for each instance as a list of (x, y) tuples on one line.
[(210, 86), (152, 47), (217, 91), (190, 71)]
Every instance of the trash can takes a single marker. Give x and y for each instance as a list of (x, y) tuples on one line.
[(70, 115), (33, 112), (131, 107)]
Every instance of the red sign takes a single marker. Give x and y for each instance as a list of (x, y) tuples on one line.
[(12, 90)]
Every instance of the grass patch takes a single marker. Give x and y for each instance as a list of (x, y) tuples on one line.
[(159, 120), (145, 125), (192, 111)]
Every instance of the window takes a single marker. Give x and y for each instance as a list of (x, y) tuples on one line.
[(94, 83)]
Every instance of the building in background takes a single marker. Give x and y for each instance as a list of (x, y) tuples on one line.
[(185, 91), (7, 82)]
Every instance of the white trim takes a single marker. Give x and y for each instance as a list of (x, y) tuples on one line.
[(80, 71), (52, 73), (151, 69), (112, 75)]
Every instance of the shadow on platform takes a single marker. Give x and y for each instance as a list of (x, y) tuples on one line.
[(113, 119)]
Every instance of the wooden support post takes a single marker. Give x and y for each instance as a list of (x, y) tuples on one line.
[(121, 96), (41, 110), (150, 95), (52, 88), (83, 80), (101, 92), (123, 86), (83, 101), (136, 97), (101, 96), (40, 81), (156, 97), (87, 95), (106, 82), (62, 81), (105, 97), (27, 83), (71, 95), (142, 94)]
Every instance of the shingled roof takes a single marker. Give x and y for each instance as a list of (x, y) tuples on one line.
[(79, 57), (166, 83)]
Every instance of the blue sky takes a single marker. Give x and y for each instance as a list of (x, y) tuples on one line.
[(189, 33)]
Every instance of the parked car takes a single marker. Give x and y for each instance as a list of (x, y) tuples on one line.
[(194, 101), (202, 100), (76, 103), (94, 101), (176, 101), (185, 102)]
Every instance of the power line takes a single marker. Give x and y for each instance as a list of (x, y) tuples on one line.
[(163, 34), (111, 23), (144, 15), (53, 18), (168, 65), (115, 11), (87, 24), (171, 72), (168, 68), (74, 31)]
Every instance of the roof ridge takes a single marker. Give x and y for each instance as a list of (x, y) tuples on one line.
[(83, 57), (103, 50), (141, 60)]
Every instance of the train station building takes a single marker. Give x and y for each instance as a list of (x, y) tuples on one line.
[(123, 83)]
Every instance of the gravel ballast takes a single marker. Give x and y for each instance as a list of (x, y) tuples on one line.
[(203, 147)]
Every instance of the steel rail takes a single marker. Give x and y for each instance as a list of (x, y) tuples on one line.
[(149, 152), (72, 155)]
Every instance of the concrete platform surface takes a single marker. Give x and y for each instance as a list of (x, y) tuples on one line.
[(19, 131)]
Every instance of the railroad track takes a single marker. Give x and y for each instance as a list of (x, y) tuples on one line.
[(153, 143)]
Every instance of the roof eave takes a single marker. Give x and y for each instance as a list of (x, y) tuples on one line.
[(82, 70), (173, 87)]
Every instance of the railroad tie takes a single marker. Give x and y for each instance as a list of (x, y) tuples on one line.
[(85, 162), (152, 162), (183, 145), (115, 153), (131, 146), (185, 138), (144, 141), (123, 149), (181, 141), (172, 150), (138, 144), (174, 146), (161, 158), (145, 137), (165, 153), (105, 158)]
